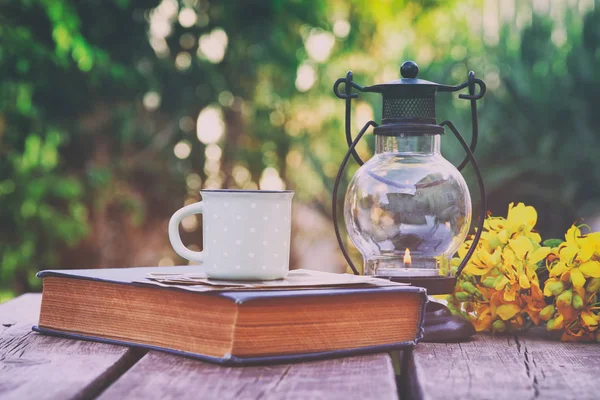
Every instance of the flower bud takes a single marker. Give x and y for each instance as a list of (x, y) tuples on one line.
[(547, 312), (469, 287), (503, 236), (452, 309), (577, 301), (565, 298), (553, 325), (462, 296), (498, 280), (495, 258), (593, 285), (499, 325), (489, 282), (493, 241), (556, 288)]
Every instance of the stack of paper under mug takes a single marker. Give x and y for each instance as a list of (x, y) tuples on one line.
[(308, 315)]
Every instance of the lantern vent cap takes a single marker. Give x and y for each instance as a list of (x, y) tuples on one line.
[(409, 83)]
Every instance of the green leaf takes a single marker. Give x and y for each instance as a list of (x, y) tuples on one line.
[(6, 187), (68, 188), (552, 242), (24, 102)]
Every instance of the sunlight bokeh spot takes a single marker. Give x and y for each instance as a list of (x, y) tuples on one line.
[(151, 101), (213, 152), (306, 77), (166, 262), (277, 118), (559, 36), (492, 79), (182, 149), (213, 45), (341, 28), (193, 181), (190, 223), (210, 126), (226, 99), (241, 175), (213, 183), (187, 124), (363, 113), (293, 158), (187, 17), (319, 45), (161, 18), (168, 8), (187, 41), (270, 180), (160, 47), (212, 167), (183, 60), (159, 27)]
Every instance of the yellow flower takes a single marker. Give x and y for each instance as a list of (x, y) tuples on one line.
[(574, 269), (499, 289), (522, 219), (484, 318)]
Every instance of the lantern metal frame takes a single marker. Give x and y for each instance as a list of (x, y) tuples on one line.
[(414, 126)]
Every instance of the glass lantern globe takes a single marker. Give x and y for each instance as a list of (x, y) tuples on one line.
[(407, 209)]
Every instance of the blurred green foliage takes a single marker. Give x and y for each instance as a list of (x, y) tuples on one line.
[(99, 103)]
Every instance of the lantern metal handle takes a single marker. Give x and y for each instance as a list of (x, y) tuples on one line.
[(348, 96), (471, 82)]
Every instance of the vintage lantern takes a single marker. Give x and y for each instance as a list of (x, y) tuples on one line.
[(407, 209)]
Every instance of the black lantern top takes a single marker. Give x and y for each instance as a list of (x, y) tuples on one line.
[(410, 100), (408, 97), (408, 84)]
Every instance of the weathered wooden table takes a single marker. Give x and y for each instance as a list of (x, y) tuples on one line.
[(42, 367)]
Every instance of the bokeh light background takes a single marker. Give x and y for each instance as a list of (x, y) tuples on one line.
[(114, 114)]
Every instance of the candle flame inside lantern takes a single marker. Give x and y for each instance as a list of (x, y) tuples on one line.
[(407, 258)]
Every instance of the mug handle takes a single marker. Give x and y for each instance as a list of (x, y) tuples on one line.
[(178, 246)]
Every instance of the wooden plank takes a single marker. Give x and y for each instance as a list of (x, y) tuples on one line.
[(43, 367), (527, 366), (24, 309), (164, 376)]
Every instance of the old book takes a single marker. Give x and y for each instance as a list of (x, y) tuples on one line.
[(230, 326)]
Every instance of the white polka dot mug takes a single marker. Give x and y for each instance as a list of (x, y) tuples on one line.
[(246, 233)]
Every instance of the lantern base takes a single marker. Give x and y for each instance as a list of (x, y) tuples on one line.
[(434, 284), (393, 266), (441, 326)]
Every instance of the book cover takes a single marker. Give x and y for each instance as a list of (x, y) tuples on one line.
[(136, 276)]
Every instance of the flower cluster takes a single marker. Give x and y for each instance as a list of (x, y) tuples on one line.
[(573, 286), (499, 289)]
